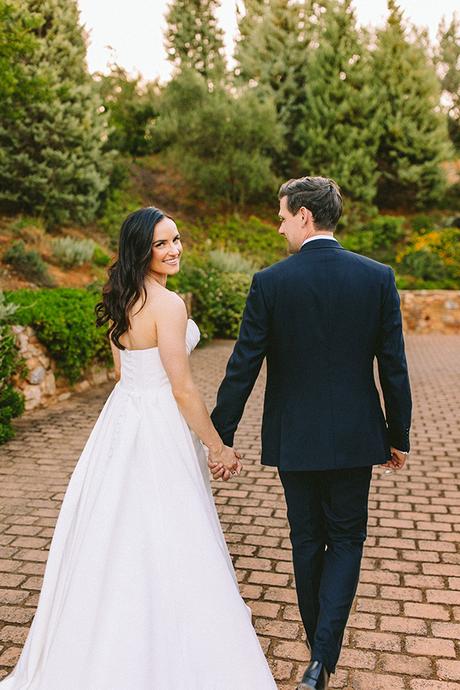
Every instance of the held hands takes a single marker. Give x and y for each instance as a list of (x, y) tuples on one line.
[(224, 463), (397, 460)]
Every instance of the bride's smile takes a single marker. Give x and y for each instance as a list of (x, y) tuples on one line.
[(166, 250)]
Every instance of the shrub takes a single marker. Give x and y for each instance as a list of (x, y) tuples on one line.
[(421, 223), (433, 257), (11, 362), (72, 252), (387, 230), (424, 264), (377, 238), (231, 262), (7, 309), (361, 242), (227, 305), (64, 320), (28, 263), (28, 228), (218, 298), (256, 240), (100, 258)]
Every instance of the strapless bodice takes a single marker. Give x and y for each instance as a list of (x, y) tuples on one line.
[(142, 370)]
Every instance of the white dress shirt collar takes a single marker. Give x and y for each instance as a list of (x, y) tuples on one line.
[(317, 237)]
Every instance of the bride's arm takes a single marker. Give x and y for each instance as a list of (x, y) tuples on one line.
[(116, 359), (171, 323)]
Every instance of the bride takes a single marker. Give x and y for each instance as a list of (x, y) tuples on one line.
[(139, 591)]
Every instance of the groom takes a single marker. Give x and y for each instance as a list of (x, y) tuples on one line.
[(320, 317)]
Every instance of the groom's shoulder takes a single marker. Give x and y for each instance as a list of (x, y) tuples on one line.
[(366, 262), (295, 263), (277, 269)]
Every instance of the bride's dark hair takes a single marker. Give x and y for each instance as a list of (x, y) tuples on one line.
[(126, 275)]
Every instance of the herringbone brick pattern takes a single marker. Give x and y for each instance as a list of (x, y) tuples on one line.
[(404, 630)]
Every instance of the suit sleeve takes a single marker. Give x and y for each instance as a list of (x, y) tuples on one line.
[(244, 364), (392, 365)]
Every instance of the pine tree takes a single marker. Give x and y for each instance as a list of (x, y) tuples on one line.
[(17, 45), (253, 14), (414, 140), (130, 106), (449, 62), (51, 159), (340, 128), (194, 40), (230, 139), (272, 56)]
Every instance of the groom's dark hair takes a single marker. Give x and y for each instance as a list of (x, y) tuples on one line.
[(320, 195)]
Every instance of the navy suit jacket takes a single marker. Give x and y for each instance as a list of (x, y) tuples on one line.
[(320, 317)]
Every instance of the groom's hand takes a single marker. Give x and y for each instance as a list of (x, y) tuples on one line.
[(397, 460)]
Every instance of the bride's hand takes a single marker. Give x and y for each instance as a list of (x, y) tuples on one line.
[(225, 463)]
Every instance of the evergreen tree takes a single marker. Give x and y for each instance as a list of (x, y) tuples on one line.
[(130, 107), (340, 128), (223, 143), (272, 57), (449, 61), (414, 140), (51, 159), (253, 14), (16, 47), (194, 39)]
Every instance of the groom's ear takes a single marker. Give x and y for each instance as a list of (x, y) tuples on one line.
[(305, 214)]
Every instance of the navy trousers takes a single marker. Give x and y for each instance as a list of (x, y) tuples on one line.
[(327, 513)]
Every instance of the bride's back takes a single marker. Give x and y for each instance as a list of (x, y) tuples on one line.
[(142, 333)]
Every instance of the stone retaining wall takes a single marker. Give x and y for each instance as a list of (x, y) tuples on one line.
[(424, 311), (41, 387), (431, 311)]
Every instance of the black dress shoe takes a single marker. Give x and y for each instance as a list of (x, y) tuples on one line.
[(316, 677)]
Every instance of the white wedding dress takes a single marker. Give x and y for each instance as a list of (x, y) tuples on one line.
[(139, 591)]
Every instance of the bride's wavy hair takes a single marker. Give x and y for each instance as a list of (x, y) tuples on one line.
[(125, 283)]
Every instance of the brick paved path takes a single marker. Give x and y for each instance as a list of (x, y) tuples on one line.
[(404, 630)]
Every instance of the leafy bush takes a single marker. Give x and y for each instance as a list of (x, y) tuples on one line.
[(22, 222), (231, 262), (229, 298), (361, 242), (421, 223), (218, 298), (11, 362), (28, 263), (256, 240), (387, 230), (72, 252), (28, 228), (7, 309), (100, 258), (64, 320), (434, 258), (382, 232), (424, 264)]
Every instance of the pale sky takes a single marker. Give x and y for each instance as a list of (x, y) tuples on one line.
[(134, 29)]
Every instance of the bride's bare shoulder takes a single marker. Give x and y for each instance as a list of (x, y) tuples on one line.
[(166, 302)]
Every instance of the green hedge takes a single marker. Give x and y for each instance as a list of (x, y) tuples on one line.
[(11, 401), (218, 297), (64, 321)]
